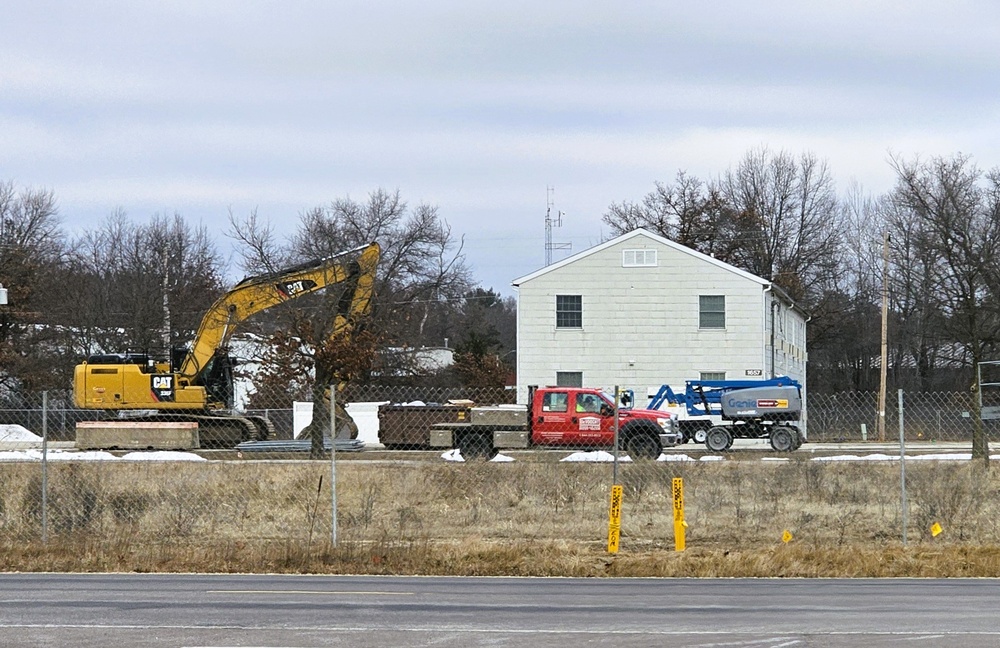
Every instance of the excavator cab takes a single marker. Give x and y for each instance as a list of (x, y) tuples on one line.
[(218, 379)]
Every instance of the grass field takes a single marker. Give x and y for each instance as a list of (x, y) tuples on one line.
[(506, 519)]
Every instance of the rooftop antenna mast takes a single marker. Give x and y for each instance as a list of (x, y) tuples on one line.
[(549, 224)]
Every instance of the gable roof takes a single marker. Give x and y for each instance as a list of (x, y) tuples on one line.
[(636, 233)]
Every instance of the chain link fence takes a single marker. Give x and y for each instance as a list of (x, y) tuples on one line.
[(927, 416), (392, 488)]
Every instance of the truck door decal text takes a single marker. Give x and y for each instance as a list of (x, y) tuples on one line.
[(590, 423)]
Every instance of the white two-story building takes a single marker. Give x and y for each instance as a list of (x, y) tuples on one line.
[(640, 311)]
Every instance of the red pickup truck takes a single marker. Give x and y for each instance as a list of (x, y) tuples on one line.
[(559, 417)]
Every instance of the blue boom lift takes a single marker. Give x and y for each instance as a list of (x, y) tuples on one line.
[(752, 409)]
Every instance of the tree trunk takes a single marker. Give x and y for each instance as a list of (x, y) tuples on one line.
[(319, 428), (320, 425)]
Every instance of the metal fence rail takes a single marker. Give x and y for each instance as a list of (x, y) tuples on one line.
[(843, 416)]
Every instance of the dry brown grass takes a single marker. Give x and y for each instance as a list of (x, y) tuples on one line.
[(513, 519)]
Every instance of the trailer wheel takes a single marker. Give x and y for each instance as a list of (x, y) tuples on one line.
[(718, 439), (475, 446), (799, 440), (783, 439)]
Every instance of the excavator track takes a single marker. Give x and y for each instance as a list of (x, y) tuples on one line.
[(265, 428), (218, 430)]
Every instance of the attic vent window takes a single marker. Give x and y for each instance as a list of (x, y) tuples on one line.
[(638, 258)]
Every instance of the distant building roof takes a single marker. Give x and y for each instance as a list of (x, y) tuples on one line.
[(640, 233)]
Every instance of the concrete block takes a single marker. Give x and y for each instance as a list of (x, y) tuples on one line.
[(137, 435)]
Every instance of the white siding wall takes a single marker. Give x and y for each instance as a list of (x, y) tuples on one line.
[(789, 343), (640, 325)]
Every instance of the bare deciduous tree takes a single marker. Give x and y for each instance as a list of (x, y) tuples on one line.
[(845, 342), (132, 276), (421, 270), (788, 220), (953, 211), (773, 215), (32, 250), (690, 211)]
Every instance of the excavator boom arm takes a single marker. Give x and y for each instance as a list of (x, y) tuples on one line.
[(256, 294)]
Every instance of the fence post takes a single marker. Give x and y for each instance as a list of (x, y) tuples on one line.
[(614, 478), (615, 510), (45, 467), (333, 465), (902, 467)]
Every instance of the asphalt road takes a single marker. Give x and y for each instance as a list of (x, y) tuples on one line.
[(89, 610)]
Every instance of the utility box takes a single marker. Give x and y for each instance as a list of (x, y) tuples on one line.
[(408, 427), (510, 416)]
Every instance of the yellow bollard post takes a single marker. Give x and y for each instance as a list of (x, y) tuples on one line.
[(615, 519), (679, 523)]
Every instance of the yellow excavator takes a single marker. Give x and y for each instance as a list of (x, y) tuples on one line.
[(197, 386)]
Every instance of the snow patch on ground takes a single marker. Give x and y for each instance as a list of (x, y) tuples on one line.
[(597, 456), (97, 455), (943, 456), (10, 455), (162, 455), (17, 433), (456, 455)]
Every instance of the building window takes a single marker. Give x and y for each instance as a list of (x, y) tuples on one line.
[(713, 375), (569, 311), (712, 311), (638, 258), (569, 379)]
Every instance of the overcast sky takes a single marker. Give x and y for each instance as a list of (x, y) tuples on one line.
[(205, 107)]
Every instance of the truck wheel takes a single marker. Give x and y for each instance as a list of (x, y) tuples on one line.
[(783, 439), (476, 446), (718, 439), (643, 446), (700, 435)]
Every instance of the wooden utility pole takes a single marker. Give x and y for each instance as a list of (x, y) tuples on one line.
[(885, 336)]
